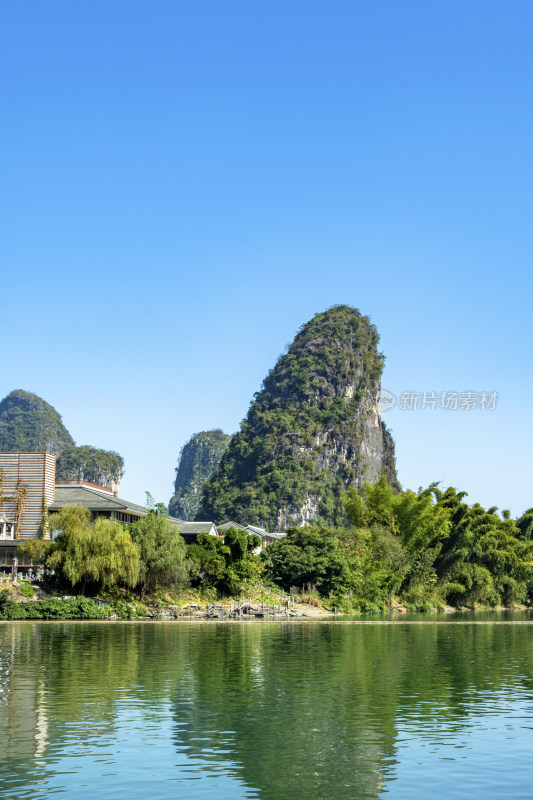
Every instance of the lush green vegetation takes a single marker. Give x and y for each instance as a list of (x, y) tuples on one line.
[(52, 608), (103, 467), (33, 551), (96, 558), (421, 550), (28, 424), (92, 555), (197, 462), (303, 433), (228, 565), (162, 560)]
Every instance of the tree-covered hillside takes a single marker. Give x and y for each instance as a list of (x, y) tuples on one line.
[(197, 462), (312, 431), (28, 424), (103, 467)]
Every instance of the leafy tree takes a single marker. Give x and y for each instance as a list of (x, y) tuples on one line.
[(207, 558), (155, 508), (101, 553), (308, 557), (229, 565), (406, 535), (525, 525), (33, 551), (486, 559), (162, 553)]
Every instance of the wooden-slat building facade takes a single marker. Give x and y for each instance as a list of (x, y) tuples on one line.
[(27, 489)]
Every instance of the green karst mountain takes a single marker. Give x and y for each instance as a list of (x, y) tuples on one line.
[(198, 460), (103, 467), (312, 431), (28, 424)]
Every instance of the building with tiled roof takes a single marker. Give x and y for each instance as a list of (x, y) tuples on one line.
[(100, 501), (29, 492)]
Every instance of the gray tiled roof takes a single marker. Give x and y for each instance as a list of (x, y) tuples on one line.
[(196, 527), (265, 534), (256, 529), (227, 525), (94, 500)]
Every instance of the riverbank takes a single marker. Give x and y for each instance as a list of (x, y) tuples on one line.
[(18, 603), (14, 606)]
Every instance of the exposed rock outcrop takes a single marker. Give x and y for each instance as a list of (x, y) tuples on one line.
[(198, 460), (312, 431), (102, 467)]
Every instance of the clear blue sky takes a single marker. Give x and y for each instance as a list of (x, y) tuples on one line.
[(185, 183)]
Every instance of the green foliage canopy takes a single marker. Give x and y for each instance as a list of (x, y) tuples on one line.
[(485, 559), (162, 553), (33, 551), (423, 549), (99, 553), (228, 565)]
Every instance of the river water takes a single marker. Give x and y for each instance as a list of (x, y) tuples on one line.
[(273, 710)]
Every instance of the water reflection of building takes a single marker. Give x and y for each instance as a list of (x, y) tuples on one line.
[(23, 715)]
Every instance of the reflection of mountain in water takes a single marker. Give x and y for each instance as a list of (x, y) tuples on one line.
[(312, 710), (293, 711), (290, 707)]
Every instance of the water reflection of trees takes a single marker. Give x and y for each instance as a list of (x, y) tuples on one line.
[(313, 710), (62, 686), (293, 710)]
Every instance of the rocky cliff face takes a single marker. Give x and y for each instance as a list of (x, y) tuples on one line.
[(311, 432), (102, 467), (198, 460), (28, 424)]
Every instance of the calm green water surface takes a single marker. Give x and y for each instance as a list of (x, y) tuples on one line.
[(280, 711)]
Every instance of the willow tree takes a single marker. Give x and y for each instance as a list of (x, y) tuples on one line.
[(162, 553), (101, 553)]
